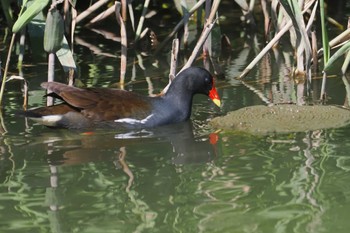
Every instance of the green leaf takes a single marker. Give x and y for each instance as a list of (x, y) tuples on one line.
[(65, 56), (54, 31), (35, 8), (336, 55)]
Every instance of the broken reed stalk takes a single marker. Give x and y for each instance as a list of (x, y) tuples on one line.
[(142, 19), (71, 77), (325, 42), (312, 17), (21, 50), (323, 86), (347, 57), (314, 51), (199, 44), (346, 63), (213, 12), (207, 44), (347, 89), (178, 26), (205, 33), (266, 17), (89, 10), (6, 68), (102, 15), (123, 58), (173, 64), (186, 28), (341, 38), (272, 42), (124, 5), (93, 48), (50, 77), (131, 15), (73, 24), (325, 46)]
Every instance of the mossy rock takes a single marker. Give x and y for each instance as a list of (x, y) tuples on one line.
[(283, 118)]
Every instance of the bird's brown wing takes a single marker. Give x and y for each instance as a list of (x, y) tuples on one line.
[(102, 104)]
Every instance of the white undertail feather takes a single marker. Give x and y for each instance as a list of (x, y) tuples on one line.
[(50, 120), (133, 121)]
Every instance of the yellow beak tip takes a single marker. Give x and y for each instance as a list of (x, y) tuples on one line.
[(217, 102)]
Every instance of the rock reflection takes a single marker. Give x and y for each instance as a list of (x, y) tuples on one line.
[(275, 186)]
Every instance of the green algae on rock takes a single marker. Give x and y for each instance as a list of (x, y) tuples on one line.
[(283, 118)]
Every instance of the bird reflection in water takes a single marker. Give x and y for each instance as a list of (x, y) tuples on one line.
[(129, 152), (186, 148)]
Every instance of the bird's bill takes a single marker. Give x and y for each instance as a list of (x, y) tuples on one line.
[(214, 96)]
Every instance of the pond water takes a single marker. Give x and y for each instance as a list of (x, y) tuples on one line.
[(180, 178)]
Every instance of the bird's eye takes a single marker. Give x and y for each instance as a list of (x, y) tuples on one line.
[(208, 80)]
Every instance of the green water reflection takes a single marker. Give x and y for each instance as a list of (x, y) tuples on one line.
[(178, 179), (61, 181)]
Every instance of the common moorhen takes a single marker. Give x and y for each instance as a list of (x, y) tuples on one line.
[(98, 107)]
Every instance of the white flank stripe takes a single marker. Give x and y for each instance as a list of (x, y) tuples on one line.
[(133, 121)]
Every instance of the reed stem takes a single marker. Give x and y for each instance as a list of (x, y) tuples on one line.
[(6, 68)]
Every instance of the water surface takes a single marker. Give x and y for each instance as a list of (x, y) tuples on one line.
[(181, 178)]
